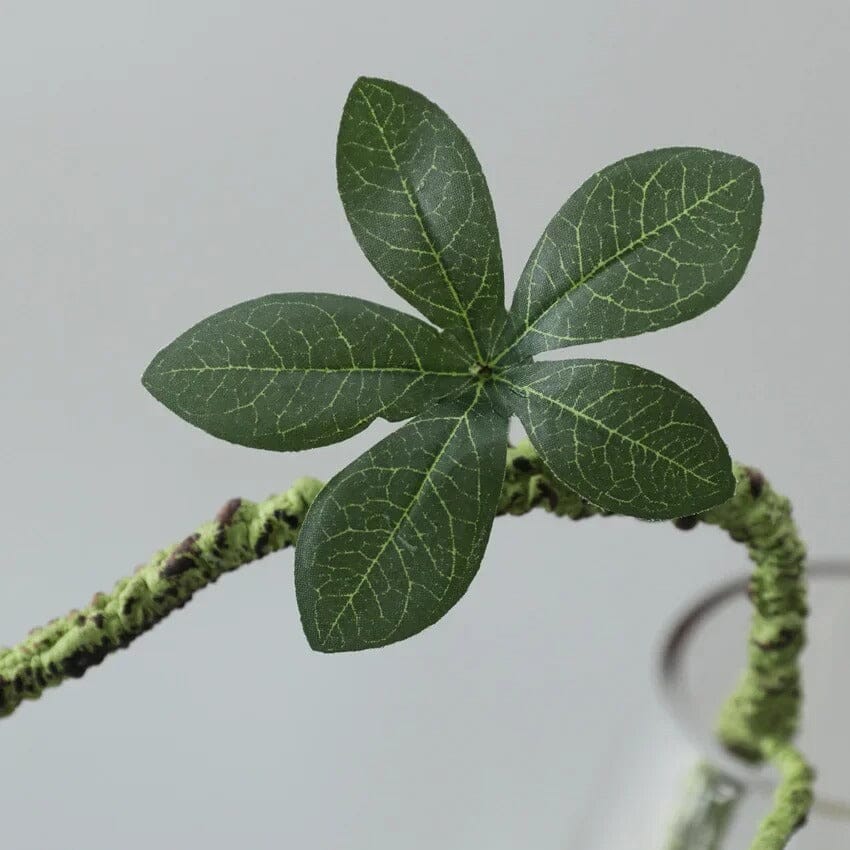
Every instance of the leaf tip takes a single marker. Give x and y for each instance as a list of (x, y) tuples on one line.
[(364, 81), (149, 378)]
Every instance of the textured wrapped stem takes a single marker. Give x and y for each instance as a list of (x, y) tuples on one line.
[(793, 797), (66, 647), (766, 704), (761, 717), (757, 722)]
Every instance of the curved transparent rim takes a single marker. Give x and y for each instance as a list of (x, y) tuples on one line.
[(671, 676)]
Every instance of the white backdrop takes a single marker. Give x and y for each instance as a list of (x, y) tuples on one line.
[(160, 161)]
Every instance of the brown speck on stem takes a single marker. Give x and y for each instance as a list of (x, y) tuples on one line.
[(228, 511), (756, 482)]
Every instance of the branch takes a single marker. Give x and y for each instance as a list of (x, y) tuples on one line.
[(757, 722), (68, 646)]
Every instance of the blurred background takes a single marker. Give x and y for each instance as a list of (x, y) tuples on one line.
[(160, 161)]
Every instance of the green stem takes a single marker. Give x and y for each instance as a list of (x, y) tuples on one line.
[(757, 722), (66, 647), (793, 798), (767, 702), (760, 719)]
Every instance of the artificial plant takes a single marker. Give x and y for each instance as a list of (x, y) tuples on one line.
[(392, 542)]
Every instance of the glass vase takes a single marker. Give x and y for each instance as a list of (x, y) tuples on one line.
[(676, 788)]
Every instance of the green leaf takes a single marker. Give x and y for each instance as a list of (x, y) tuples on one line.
[(300, 370), (418, 203), (624, 438), (648, 242), (393, 541)]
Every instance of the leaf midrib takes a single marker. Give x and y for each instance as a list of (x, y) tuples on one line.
[(414, 206), (527, 390), (603, 264), (407, 370)]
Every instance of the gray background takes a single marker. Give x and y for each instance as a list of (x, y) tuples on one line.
[(160, 161)]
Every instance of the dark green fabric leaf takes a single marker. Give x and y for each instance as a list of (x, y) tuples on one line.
[(650, 241), (393, 541), (624, 438), (300, 370), (418, 203)]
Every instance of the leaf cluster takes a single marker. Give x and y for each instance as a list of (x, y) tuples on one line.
[(394, 539)]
